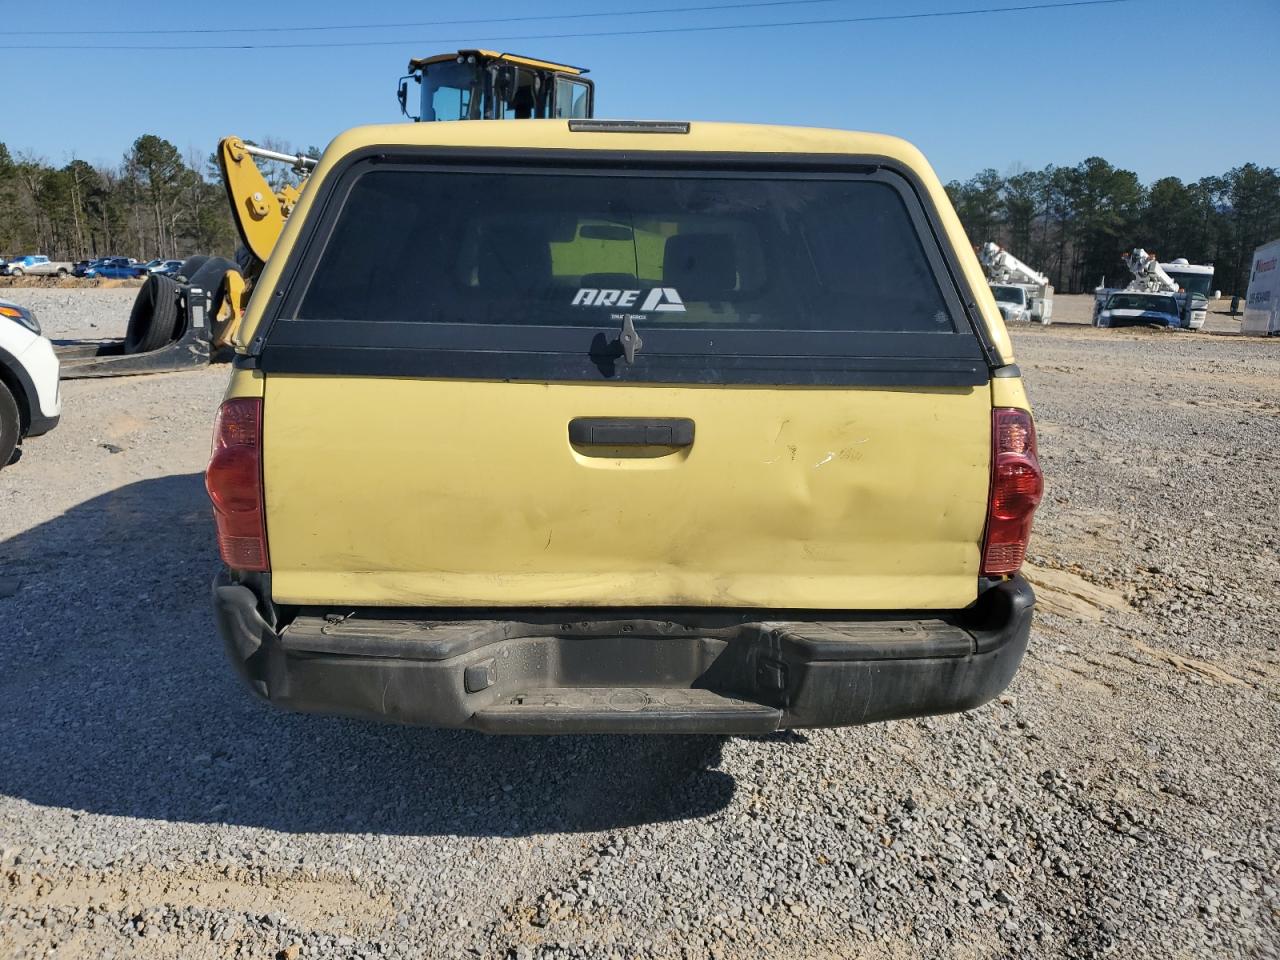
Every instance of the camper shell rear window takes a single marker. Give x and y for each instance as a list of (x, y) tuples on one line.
[(414, 266)]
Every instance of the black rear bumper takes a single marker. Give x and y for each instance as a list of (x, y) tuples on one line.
[(629, 671)]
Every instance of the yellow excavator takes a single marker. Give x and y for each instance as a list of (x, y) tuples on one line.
[(485, 85), (190, 321)]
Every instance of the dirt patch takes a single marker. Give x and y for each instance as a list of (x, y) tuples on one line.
[(335, 905), (1070, 595), (193, 913), (1199, 668), (68, 283), (121, 425)]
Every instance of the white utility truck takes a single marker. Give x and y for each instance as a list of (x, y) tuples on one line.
[(1021, 293), (1262, 305), (1189, 283)]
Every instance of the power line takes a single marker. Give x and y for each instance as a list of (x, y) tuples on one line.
[(878, 18), (746, 4)]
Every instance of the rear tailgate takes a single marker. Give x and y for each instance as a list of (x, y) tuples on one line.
[(454, 415)]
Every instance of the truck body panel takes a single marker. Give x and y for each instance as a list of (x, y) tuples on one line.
[(471, 494), (1262, 304)]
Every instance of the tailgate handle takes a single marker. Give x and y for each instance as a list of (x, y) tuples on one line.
[(631, 431)]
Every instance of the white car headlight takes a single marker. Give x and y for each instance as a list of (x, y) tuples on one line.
[(21, 317)]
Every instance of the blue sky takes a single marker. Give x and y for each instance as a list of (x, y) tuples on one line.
[(1164, 87)]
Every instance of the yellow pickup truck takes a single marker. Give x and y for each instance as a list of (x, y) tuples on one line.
[(605, 426)]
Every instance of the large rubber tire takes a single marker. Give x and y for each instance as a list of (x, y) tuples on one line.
[(10, 425), (16, 271), (153, 321), (190, 266), (209, 278), (250, 267)]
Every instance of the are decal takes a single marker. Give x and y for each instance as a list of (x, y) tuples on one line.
[(658, 299)]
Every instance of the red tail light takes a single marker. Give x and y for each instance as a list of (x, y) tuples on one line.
[(1016, 487), (234, 481)]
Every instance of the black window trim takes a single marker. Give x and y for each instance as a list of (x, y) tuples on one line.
[(411, 350)]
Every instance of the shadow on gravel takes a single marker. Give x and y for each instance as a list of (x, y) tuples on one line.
[(116, 698)]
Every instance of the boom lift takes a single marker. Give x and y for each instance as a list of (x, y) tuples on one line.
[(175, 325), (1003, 269), (1148, 275)]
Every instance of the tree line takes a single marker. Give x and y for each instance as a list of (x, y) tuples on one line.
[(1075, 223), (154, 203)]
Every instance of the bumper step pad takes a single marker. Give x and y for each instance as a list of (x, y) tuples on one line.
[(625, 710)]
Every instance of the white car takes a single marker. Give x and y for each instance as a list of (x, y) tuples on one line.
[(29, 400)]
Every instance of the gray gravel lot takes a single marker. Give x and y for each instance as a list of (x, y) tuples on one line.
[(1119, 800)]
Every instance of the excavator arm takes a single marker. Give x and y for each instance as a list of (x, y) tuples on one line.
[(259, 212)]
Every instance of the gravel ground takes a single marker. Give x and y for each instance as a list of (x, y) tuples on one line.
[(1119, 800)]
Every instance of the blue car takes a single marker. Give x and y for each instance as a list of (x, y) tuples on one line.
[(116, 268), (84, 266), (1124, 309)]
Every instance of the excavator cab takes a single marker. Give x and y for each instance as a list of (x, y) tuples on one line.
[(485, 85)]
